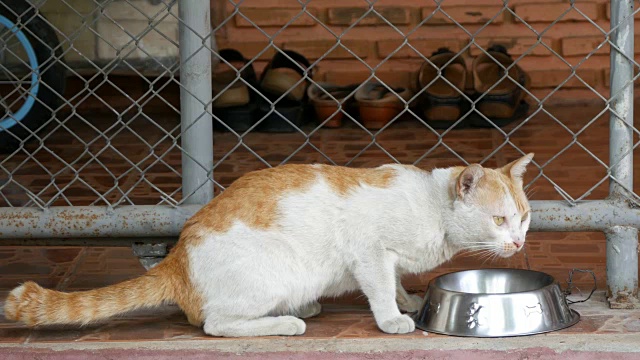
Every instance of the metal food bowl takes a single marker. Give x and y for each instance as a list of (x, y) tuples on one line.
[(495, 303)]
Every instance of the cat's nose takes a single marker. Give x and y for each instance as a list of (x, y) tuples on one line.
[(518, 242)]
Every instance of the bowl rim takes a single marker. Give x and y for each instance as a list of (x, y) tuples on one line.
[(432, 283)]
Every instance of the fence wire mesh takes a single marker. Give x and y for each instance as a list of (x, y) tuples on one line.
[(104, 79)]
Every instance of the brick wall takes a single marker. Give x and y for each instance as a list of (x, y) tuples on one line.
[(373, 40), (90, 34)]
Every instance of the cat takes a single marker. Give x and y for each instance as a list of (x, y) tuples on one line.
[(256, 259)]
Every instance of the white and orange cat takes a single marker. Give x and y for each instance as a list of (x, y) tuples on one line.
[(257, 258)]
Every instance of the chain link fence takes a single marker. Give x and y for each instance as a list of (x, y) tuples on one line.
[(120, 118)]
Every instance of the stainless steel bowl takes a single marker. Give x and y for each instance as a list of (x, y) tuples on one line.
[(495, 303)]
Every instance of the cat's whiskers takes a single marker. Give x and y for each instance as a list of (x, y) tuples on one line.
[(484, 260), (485, 254), (495, 257), (482, 254), (476, 247), (479, 250), (478, 244)]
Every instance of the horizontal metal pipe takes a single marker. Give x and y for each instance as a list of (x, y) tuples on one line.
[(595, 215), (84, 242), (163, 221), (93, 221)]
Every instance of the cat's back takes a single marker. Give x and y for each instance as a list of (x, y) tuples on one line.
[(264, 199)]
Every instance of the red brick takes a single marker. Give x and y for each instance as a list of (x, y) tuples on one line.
[(515, 45), (275, 17), (249, 48), (316, 48), (346, 77), (549, 12), (425, 46), (545, 77), (564, 95), (468, 14), (345, 16), (392, 78), (582, 45)]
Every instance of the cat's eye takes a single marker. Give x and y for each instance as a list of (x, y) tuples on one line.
[(499, 220), (525, 216)]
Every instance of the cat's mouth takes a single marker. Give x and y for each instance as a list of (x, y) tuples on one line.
[(508, 250)]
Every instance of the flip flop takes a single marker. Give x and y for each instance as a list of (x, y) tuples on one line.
[(503, 103), (234, 102), (284, 75), (442, 102)]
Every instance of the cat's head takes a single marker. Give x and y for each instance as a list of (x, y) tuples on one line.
[(491, 212)]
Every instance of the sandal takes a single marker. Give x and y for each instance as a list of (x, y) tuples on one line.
[(284, 76), (378, 106), (234, 102), (441, 103), (330, 102), (503, 103)]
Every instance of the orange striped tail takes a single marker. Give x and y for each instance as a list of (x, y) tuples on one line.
[(35, 306)]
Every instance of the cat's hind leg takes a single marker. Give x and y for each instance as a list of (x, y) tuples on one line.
[(265, 326)]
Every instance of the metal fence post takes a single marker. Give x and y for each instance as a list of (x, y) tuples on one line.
[(195, 101), (195, 116), (622, 242)]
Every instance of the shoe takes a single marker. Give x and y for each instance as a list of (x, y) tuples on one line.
[(442, 102), (504, 102), (283, 83), (234, 101), (378, 106)]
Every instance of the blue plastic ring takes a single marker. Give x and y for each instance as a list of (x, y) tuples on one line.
[(13, 119)]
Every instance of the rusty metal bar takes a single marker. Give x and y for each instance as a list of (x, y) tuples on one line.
[(594, 215), (166, 221), (622, 239), (622, 267), (84, 241), (621, 99), (93, 221), (195, 102)]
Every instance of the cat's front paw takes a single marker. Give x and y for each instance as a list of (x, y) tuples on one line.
[(398, 325), (411, 304)]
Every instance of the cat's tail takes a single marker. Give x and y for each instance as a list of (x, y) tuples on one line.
[(34, 305)]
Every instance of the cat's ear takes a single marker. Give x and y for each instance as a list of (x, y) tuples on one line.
[(516, 169), (468, 179)]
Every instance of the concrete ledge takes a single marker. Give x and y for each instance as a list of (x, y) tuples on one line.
[(552, 346)]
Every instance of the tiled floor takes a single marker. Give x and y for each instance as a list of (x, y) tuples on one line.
[(339, 323), (337, 320)]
